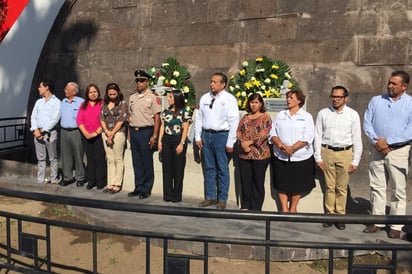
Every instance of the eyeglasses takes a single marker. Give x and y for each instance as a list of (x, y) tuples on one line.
[(211, 103), (336, 97), (140, 80)]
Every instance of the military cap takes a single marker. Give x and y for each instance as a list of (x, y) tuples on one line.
[(141, 74)]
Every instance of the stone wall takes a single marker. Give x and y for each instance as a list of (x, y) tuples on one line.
[(355, 43)]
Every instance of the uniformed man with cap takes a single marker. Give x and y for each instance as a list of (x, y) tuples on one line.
[(144, 124)]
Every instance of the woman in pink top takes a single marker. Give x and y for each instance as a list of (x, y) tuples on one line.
[(88, 120)]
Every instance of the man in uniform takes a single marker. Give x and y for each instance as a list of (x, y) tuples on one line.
[(144, 124)]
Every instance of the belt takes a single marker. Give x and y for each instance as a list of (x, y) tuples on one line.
[(393, 147), (70, 128), (215, 131), (141, 128), (337, 148)]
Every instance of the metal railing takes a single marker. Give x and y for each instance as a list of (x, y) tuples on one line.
[(12, 132), (28, 242)]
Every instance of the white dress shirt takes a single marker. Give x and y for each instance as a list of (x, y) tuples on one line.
[(338, 129), (290, 129), (222, 114)]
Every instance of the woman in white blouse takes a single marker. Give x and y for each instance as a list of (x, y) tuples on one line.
[(292, 134)]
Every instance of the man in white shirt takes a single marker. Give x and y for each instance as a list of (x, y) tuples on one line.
[(44, 118), (215, 133), (338, 149)]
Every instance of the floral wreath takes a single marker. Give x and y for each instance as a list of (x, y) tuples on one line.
[(270, 78), (173, 76)]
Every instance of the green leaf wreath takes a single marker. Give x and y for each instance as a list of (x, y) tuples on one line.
[(270, 78), (172, 75)]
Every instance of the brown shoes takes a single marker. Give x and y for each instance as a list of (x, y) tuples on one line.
[(373, 229), (221, 205), (207, 202), (394, 234)]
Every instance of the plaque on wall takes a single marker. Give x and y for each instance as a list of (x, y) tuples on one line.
[(275, 104), (117, 4)]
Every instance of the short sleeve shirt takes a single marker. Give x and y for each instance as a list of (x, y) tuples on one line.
[(173, 122), (112, 116), (142, 108)]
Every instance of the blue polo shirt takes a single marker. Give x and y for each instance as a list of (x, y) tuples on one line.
[(69, 112)]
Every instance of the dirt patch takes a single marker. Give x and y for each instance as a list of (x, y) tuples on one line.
[(72, 250)]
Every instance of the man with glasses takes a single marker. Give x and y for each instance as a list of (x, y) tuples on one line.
[(215, 133), (388, 126), (144, 121), (338, 150)]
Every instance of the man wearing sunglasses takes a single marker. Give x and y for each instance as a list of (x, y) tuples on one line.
[(338, 150), (215, 133), (144, 121)]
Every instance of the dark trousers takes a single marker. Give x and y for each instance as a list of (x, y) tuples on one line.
[(71, 150), (96, 169), (173, 167), (252, 178), (142, 157)]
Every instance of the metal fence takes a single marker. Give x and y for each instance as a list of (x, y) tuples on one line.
[(12, 132), (179, 263)]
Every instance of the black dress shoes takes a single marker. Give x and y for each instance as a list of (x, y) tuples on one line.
[(66, 183), (90, 186), (81, 183), (144, 195), (134, 193), (340, 226)]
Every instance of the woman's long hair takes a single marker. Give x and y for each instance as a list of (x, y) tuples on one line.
[(87, 98), (179, 100), (119, 96)]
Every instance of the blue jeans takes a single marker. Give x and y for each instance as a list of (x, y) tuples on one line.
[(216, 165), (142, 158)]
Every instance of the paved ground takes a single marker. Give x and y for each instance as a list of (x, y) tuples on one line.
[(242, 229)]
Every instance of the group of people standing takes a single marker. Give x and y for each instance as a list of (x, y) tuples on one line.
[(93, 126), (293, 142), (296, 145)]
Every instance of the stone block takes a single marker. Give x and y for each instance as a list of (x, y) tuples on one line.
[(118, 4), (209, 57), (383, 51), (321, 27), (258, 9), (296, 6), (277, 29), (242, 32), (164, 14), (223, 10)]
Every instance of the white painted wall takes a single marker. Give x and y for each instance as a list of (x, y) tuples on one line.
[(19, 54)]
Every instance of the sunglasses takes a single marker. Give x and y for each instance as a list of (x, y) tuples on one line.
[(140, 80), (211, 103)]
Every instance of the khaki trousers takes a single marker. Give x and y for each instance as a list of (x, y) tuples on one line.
[(390, 170), (115, 159), (336, 171)]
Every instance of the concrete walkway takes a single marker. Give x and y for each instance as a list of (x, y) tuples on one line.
[(18, 176)]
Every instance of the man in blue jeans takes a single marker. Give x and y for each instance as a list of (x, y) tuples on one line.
[(215, 133)]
